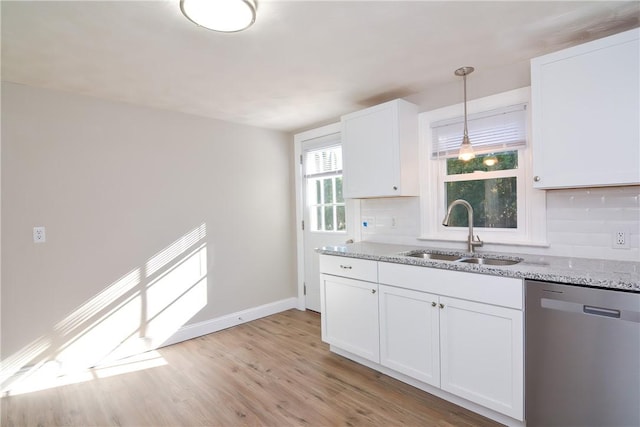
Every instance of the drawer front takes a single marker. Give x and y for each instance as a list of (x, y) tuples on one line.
[(354, 268), (503, 291)]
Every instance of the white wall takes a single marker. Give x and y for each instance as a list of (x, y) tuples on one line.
[(580, 223), (153, 220)]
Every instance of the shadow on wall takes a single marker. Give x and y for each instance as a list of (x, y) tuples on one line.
[(138, 312)]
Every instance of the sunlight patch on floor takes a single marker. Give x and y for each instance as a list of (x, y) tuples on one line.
[(48, 374)]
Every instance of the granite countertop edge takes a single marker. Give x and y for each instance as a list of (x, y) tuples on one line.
[(598, 273)]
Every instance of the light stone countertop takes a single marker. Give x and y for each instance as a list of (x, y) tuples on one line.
[(616, 275)]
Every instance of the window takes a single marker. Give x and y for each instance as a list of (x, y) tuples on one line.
[(490, 184), (496, 183), (490, 181), (323, 173)]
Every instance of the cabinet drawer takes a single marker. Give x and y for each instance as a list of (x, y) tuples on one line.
[(483, 288), (354, 268)]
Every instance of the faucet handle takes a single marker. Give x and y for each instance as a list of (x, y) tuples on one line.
[(476, 241)]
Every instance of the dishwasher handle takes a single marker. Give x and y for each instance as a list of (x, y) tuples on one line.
[(599, 311)]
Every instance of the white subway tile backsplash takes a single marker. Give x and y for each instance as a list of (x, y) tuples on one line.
[(391, 216), (580, 222)]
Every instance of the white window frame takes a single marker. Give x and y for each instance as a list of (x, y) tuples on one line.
[(319, 177), (531, 230)]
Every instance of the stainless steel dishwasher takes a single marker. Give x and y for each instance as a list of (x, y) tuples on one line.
[(582, 356)]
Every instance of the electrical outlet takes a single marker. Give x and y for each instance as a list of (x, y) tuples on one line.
[(620, 240), (39, 235)]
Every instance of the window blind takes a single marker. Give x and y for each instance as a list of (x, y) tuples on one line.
[(495, 130), (323, 162)]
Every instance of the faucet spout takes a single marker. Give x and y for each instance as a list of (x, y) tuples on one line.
[(471, 240)]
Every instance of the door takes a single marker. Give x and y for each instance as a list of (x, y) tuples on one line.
[(372, 151), (586, 341), (481, 350), (409, 333), (350, 316), (326, 217)]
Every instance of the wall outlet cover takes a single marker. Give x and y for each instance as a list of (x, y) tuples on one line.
[(620, 239), (39, 235)]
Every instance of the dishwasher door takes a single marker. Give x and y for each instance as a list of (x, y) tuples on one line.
[(582, 356)]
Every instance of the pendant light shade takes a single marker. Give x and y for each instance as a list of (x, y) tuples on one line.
[(466, 152), (227, 16)]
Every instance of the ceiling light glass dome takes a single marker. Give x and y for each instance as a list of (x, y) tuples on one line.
[(227, 16)]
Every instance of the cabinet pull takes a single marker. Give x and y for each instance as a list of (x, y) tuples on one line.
[(395, 187), (536, 178), (441, 305), (433, 304), (346, 267), (373, 291)]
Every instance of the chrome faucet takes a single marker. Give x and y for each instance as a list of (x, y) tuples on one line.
[(471, 241)]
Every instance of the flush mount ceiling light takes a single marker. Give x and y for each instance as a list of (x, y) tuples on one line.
[(466, 152), (227, 16)]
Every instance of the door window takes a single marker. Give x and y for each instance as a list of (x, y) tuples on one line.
[(323, 173)]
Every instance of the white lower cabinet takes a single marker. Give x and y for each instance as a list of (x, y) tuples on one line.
[(457, 331), (469, 349), (409, 333), (481, 348), (350, 315)]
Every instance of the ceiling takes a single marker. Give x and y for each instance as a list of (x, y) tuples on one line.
[(303, 63)]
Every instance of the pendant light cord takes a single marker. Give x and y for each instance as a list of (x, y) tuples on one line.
[(464, 79)]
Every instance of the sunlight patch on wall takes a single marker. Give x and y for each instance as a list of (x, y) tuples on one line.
[(136, 313), (16, 362), (101, 337), (96, 304), (175, 250)]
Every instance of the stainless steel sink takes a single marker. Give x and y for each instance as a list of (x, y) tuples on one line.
[(434, 256), (490, 261)]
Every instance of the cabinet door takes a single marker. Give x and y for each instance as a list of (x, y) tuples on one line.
[(409, 333), (481, 349), (370, 152), (586, 114), (350, 315)]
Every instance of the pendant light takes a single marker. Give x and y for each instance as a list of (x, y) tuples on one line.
[(227, 16), (466, 150)]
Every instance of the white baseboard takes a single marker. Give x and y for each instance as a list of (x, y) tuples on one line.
[(214, 325)]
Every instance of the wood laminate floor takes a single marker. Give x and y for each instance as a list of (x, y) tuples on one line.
[(273, 371)]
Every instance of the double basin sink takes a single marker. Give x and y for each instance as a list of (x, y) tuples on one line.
[(437, 256)]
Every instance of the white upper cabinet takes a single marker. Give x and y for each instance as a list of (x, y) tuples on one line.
[(380, 151), (586, 114)]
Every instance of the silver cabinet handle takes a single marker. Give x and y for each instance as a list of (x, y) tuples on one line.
[(346, 267), (433, 304), (441, 305), (373, 291), (536, 178), (395, 187)]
